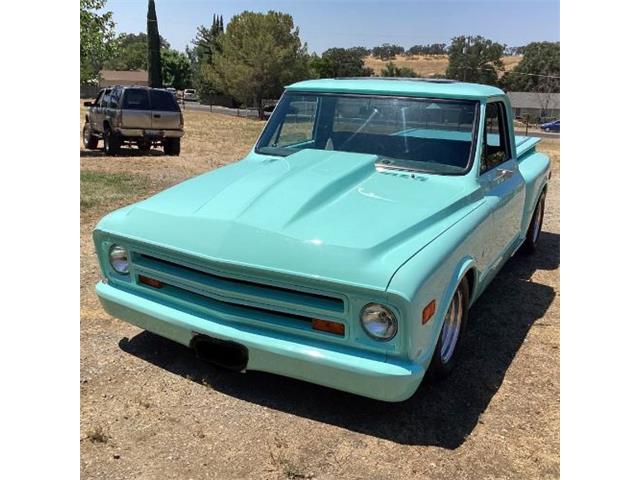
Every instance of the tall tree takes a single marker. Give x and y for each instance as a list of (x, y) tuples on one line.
[(538, 71), (340, 62), (259, 54), (475, 59), (153, 47), (96, 38), (201, 56), (176, 69), (132, 52), (205, 42)]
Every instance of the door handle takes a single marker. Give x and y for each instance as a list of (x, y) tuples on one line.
[(503, 173), (156, 115)]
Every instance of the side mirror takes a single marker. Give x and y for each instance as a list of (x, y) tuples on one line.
[(89, 103)]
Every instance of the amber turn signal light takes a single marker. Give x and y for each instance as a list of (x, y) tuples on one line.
[(152, 282), (428, 311), (327, 326)]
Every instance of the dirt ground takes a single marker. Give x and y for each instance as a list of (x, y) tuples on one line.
[(151, 410)]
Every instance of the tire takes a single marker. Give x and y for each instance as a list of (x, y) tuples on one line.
[(535, 227), (112, 142), (451, 334), (89, 140), (172, 146), (547, 129)]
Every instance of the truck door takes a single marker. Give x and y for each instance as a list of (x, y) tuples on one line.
[(136, 111), (93, 113), (502, 182), (102, 102), (165, 110)]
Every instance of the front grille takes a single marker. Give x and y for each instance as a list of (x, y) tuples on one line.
[(186, 281)]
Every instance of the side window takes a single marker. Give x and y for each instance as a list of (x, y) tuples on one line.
[(496, 138), (136, 99), (99, 98), (113, 98), (104, 100), (298, 124), (163, 101)]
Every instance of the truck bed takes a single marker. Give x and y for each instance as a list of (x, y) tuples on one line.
[(525, 145), (534, 167)]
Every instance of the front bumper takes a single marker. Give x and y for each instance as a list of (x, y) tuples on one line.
[(354, 371)]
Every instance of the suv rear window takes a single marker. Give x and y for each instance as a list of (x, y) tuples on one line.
[(164, 101), (135, 99)]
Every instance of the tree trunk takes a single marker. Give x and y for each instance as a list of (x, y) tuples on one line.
[(153, 47), (260, 107)]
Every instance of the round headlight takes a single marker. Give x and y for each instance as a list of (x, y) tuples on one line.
[(378, 321), (119, 259)]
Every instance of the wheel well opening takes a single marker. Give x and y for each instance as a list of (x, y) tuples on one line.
[(471, 280)]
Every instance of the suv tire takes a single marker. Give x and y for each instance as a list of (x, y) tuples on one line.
[(89, 140), (172, 146), (112, 142)]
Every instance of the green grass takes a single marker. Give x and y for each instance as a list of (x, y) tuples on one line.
[(110, 189)]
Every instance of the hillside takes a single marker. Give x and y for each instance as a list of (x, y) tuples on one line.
[(427, 65)]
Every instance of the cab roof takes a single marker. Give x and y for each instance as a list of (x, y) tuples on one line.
[(410, 87)]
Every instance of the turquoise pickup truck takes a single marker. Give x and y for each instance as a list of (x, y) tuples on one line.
[(346, 248)]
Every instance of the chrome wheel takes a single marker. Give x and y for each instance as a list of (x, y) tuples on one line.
[(451, 327), (87, 134)]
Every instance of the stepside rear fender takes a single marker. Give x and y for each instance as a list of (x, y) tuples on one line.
[(535, 168)]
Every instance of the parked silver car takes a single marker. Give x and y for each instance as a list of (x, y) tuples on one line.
[(190, 95), (134, 115)]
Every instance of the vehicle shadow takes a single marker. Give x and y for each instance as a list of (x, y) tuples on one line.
[(124, 152), (440, 414)]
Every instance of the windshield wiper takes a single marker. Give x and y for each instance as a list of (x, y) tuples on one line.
[(410, 165), (278, 151)]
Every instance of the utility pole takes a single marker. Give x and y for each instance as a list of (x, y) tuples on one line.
[(465, 51), (464, 55)]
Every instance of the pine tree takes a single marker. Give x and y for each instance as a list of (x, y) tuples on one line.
[(153, 47), (257, 55)]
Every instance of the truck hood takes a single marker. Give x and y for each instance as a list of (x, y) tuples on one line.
[(326, 215)]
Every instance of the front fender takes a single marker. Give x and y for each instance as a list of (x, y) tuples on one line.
[(433, 274)]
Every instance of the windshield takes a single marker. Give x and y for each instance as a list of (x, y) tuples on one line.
[(428, 135)]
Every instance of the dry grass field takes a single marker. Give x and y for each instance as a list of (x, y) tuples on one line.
[(151, 410), (427, 65)]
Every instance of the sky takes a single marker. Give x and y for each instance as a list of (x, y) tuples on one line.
[(334, 23)]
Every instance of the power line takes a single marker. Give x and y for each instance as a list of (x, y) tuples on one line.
[(510, 72)]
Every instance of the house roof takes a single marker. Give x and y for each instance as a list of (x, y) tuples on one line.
[(124, 76), (398, 86), (534, 100)]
